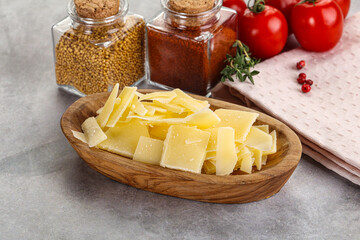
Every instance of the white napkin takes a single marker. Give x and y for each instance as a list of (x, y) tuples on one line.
[(327, 119)]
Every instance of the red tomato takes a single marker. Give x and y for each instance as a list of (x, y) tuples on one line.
[(238, 5), (265, 33), (317, 27), (285, 7), (344, 5)]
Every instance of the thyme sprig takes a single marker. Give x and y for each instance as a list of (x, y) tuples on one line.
[(240, 65)]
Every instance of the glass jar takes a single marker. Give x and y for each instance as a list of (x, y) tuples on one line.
[(188, 51), (92, 55)]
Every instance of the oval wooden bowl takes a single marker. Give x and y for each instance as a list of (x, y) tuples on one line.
[(236, 188)]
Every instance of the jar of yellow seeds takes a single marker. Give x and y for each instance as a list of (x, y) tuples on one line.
[(98, 45)]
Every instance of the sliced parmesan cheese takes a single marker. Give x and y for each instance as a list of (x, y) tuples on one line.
[(174, 130), (188, 102), (157, 108), (170, 107), (210, 155), (149, 150), (209, 167), (125, 116), (126, 96), (159, 119), (104, 115), (241, 121), (92, 132), (205, 118), (247, 161), (239, 146), (79, 135), (264, 128), (202, 119), (123, 137), (137, 107), (244, 153), (150, 110), (213, 139), (259, 139), (163, 97), (159, 132), (273, 146), (181, 154), (257, 155), (226, 157)]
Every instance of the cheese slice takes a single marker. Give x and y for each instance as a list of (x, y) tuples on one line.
[(257, 155), (163, 97), (79, 135), (259, 139), (137, 107), (162, 118), (213, 139), (159, 132), (148, 150), (117, 104), (273, 146), (247, 161), (126, 96), (209, 167), (239, 146), (104, 115), (202, 119), (210, 155), (241, 121), (185, 148), (125, 116), (244, 153), (264, 128), (92, 132), (205, 118), (150, 110), (123, 137), (226, 157), (188, 102), (157, 108), (169, 107)]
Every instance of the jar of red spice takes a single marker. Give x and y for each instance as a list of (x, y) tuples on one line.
[(188, 43)]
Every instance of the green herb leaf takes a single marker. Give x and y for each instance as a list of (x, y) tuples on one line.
[(240, 64)]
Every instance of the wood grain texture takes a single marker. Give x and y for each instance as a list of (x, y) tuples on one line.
[(236, 188)]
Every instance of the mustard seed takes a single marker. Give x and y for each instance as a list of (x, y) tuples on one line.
[(92, 58)]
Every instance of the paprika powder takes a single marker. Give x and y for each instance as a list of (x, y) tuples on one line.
[(188, 50)]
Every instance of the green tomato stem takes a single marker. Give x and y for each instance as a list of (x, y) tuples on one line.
[(257, 7), (305, 1)]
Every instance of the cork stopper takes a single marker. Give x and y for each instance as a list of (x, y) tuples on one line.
[(191, 6), (96, 9)]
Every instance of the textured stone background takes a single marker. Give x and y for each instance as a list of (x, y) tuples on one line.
[(48, 192)]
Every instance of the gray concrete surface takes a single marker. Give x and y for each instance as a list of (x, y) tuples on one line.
[(48, 192)]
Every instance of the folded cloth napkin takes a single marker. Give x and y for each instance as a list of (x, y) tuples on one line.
[(327, 119)]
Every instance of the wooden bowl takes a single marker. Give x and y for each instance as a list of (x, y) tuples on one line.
[(236, 188)]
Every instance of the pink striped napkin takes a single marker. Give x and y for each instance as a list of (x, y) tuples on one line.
[(327, 119)]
